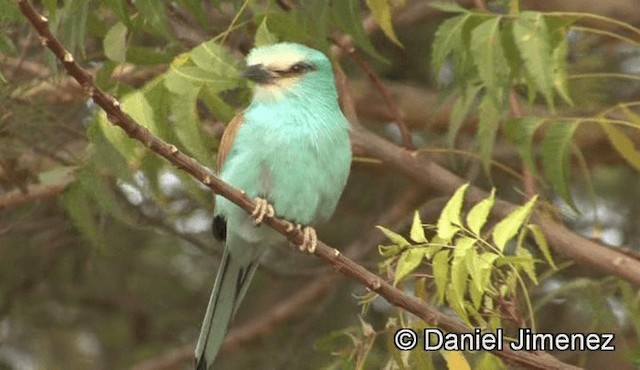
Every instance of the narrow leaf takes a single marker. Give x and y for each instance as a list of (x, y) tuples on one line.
[(187, 127), (346, 14), (521, 133), (487, 130), (417, 230), (541, 241), (506, 229), (556, 147), (264, 36), (447, 37), (409, 261), (477, 216), (80, 210), (459, 112), (449, 7), (622, 143), (455, 360), (154, 13), (459, 271), (440, 265), (528, 264), (488, 57), (114, 43), (381, 12), (396, 239), (449, 221), (532, 38)]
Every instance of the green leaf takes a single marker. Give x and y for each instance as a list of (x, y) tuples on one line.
[(381, 12), (73, 26), (120, 9), (449, 221), (9, 10), (520, 132), (449, 7), (459, 112), (488, 57), (459, 272), (556, 147), (558, 27), (508, 227), (187, 127), (528, 264), (158, 99), (195, 7), (153, 12), (480, 267), (80, 209), (127, 147), (417, 231), (622, 143), (115, 43), (7, 46), (57, 175), (143, 56), (387, 251), (346, 14), (455, 360), (487, 130), (477, 216), (216, 61), (396, 239), (137, 106), (264, 36), (287, 26), (447, 38), (541, 241), (457, 305), (476, 290), (560, 81), (532, 38), (440, 265), (409, 261)]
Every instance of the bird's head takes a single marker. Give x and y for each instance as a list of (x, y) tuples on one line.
[(287, 70)]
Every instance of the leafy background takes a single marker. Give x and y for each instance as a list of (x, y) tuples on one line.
[(107, 257)]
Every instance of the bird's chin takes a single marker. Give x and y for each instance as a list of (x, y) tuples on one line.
[(269, 93)]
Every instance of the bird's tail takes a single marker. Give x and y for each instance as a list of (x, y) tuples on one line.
[(234, 275)]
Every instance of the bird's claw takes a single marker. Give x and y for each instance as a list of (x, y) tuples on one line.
[(263, 209), (309, 236)]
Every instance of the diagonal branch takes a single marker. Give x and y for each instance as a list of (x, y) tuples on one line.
[(341, 263)]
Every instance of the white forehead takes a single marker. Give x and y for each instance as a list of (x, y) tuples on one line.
[(279, 56)]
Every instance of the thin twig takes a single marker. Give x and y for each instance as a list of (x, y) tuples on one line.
[(33, 193), (382, 89)]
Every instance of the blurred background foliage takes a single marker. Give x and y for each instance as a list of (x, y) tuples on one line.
[(106, 256)]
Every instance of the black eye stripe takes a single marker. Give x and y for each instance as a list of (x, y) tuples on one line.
[(298, 68)]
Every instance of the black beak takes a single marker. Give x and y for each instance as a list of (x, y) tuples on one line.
[(258, 74)]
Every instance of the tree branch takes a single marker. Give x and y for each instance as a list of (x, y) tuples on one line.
[(341, 263), (33, 193)]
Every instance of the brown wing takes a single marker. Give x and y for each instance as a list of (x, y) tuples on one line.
[(227, 140)]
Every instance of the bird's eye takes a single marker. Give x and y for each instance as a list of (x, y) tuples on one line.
[(299, 68)]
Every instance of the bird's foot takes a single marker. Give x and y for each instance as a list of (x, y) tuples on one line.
[(263, 209), (309, 236)]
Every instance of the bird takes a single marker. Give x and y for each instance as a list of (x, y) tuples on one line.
[(289, 151)]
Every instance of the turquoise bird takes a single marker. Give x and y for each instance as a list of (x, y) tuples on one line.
[(290, 151)]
